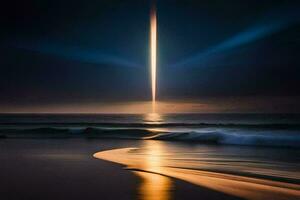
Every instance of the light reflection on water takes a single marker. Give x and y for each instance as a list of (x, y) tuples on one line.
[(153, 118), (153, 186), (242, 172)]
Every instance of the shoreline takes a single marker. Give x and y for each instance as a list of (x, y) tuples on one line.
[(149, 163), (65, 169)]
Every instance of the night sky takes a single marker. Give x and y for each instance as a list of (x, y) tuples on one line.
[(57, 52)]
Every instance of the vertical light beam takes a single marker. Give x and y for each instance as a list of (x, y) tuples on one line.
[(153, 24)]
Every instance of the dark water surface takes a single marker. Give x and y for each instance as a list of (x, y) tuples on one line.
[(211, 118), (270, 130)]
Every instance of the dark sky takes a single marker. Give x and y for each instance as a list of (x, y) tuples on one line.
[(57, 51)]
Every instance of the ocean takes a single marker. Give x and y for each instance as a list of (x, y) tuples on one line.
[(223, 156), (270, 130)]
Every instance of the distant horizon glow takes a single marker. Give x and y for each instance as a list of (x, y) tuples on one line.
[(208, 105)]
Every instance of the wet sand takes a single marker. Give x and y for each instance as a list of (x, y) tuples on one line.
[(65, 169), (61, 169), (235, 171)]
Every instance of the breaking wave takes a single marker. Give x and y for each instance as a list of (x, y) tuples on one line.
[(221, 136), (265, 138)]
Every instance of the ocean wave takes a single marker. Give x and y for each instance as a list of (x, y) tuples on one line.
[(266, 138), (86, 132), (221, 136)]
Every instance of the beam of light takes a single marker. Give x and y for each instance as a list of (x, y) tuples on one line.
[(153, 25), (240, 39), (92, 56), (272, 24)]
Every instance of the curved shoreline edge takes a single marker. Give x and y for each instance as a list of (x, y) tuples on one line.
[(235, 185)]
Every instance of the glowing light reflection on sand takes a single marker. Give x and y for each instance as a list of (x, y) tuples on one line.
[(154, 158), (153, 186)]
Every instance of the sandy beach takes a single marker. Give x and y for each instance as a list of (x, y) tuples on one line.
[(65, 169), (61, 169)]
